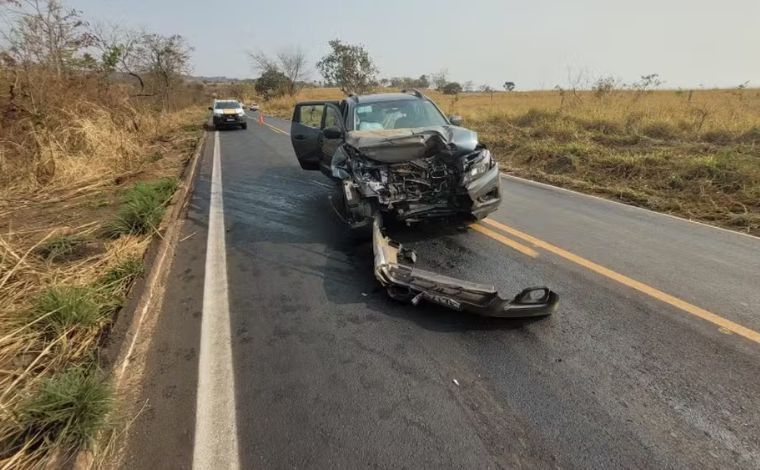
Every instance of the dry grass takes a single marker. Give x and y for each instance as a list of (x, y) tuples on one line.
[(88, 160), (62, 279), (692, 153), (52, 318)]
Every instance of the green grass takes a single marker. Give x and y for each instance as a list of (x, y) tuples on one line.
[(142, 208), (67, 410), (118, 278), (115, 283), (61, 246), (66, 307)]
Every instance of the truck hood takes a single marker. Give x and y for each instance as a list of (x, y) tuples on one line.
[(403, 145)]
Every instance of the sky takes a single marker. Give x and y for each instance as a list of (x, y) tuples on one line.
[(535, 43)]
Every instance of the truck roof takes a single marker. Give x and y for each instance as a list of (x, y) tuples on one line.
[(378, 97)]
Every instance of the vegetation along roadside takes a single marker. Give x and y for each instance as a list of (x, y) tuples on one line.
[(97, 125)]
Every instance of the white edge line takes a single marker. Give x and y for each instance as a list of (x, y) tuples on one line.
[(612, 201), (215, 443)]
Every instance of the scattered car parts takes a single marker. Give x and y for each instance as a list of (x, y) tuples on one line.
[(408, 284)]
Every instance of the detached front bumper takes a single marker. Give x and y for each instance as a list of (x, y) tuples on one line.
[(406, 283)]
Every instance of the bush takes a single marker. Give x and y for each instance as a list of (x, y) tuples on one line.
[(603, 126), (142, 208), (118, 279), (67, 307), (718, 136), (751, 136), (536, 117), (660, 130), (452, 88), (68, 409), (272, 84)]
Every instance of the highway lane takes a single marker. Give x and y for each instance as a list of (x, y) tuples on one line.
[(329, 372)]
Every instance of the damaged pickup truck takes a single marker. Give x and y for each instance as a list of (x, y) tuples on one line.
[(397, 155)]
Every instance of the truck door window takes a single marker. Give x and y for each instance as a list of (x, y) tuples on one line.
[(311, 115), (332, 118)]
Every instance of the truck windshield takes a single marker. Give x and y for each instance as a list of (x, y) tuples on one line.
[(227, 105), (402, 114)]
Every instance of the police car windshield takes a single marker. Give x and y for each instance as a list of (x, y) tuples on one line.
[(227, 105)]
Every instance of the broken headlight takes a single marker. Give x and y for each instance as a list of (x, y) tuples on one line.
[(479, 165)]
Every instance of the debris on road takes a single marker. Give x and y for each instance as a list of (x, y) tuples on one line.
[(408, 284)]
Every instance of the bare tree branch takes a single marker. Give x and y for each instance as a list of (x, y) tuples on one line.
[(291, 62), (293, 65)]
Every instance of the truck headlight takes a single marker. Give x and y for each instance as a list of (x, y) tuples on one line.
[(479, 165)]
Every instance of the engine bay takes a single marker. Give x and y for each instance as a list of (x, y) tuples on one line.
[(429, 180)]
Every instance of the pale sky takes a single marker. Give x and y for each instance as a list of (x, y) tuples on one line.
[(534, 43)]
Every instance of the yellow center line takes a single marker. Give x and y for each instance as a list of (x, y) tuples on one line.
[(506, 241), (699, 312), (276, 129)]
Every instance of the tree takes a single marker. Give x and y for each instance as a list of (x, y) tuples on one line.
[(605, 86), (121, 51), (407, 82), (290, 62), (45, 33), (440, 79), (293, 65), (165, 59), (452, 88), (272, 83), (485, 88), (348, 66), (647, 82), (509, 86), (468, 86)]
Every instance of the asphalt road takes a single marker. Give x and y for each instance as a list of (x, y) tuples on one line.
[(650, 361)]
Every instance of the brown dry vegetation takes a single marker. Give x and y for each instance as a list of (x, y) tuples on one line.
[(691, 153), (88, 161), (54, 239)]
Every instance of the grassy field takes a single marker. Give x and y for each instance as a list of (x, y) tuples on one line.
[(694, 153)]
